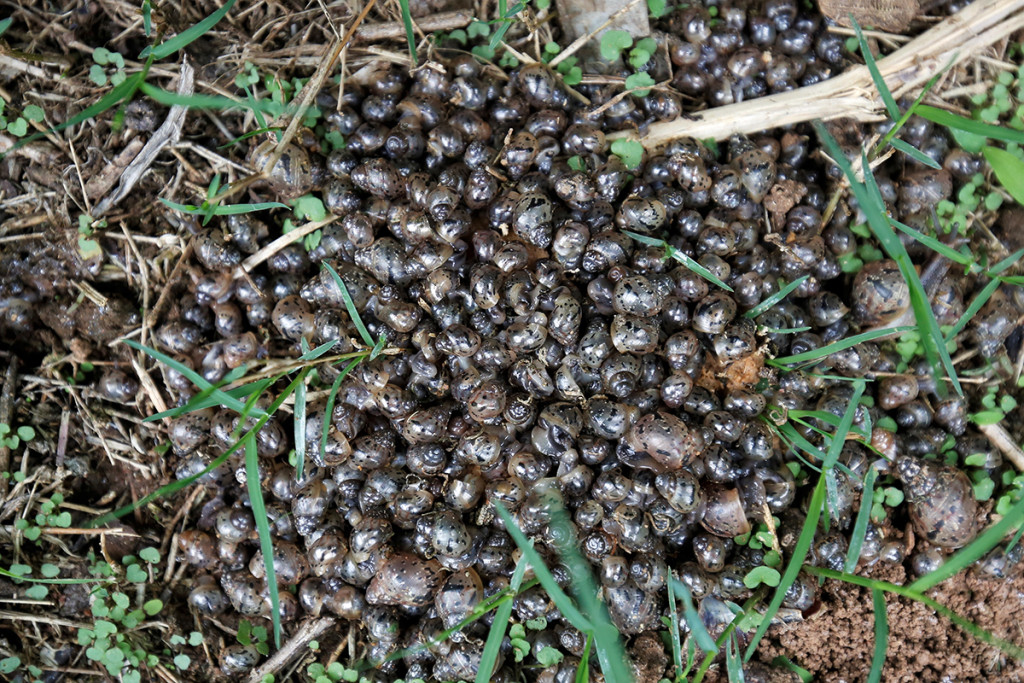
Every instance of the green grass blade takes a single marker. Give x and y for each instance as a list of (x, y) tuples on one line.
[(259, 511), (178, 485), (299, 424), (251, 134), (733, 666), (557, 595), (202, 399), (914, 153), (169, 98), (860, 526), (583, 670), (931, 335), (775, 298), (610, 652), (981, 634), (123, 91), (881, 636), (318, 352), (876, 75), (410, 37), (913, 108), (497, 633), (975, 550), (1008, 169), (679, 256), (191, 375), (350, 306), (786, 663), (242, 393), (870, 199), (189, 35), (933, 244), (829, 349), (700, 633), (987, 130), (980, 300), (803, 544), (1005, 263), (53, 582), (234, 209), (332, 396), (5, 24), (673, 630)]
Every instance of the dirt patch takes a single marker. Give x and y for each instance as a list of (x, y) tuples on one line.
[(836, 643)]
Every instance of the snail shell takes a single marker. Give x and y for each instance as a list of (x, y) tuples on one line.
[(405, 580), (880, 293), (942, 504), (666, 439), (724, 515)]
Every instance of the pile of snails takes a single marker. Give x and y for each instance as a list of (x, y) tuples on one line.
[(540, 351)]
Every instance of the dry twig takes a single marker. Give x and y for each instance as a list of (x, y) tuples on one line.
[(852, 94)]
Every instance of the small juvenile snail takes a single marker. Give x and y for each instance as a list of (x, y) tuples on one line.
[(406, 580)]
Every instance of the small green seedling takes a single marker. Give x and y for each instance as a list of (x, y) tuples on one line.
[(13, 440), (211, 205)]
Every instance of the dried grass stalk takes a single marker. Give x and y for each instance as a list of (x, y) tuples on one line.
[(852, 94)]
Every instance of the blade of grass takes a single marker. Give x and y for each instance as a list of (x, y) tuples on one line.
[(673, 630), (829, 349), (410, 37), (250, 134), (881, 636), (350, 306), (498, 627), (583, 670), (975, 550), (980, 300), (720, 641), (189, 35), (180, 484), (803, 544), (166, 97), (299, 424), (203, 399), (557, 595), (913, 108), (1008, 169), (786, 663), (860, 526), (610, 652), (318, 352), (191, 375), (700, 633), (987, 130), (672, 252), (914, 153), (229, 210), (259, 511), (934, 244), (876, 75), (331, 398), (775, 298), (981, 634), (931, 335), (870, 199), (733, 667)]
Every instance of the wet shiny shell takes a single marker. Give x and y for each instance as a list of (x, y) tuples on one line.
[(942, 503), (666, 439), (405, 580)]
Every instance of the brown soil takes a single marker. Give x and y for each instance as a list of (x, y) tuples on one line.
[(836, 643)]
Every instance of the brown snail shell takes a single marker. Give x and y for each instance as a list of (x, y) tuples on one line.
[(942, 504), (724, 515), (292, 175), (880, 293), (666, 439), (405, 580)]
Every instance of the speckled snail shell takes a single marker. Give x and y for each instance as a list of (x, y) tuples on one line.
[(942, 503)]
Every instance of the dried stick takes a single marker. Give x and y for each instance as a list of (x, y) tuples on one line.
[(167, 133), (444, 21), (1002, 440), (852, 94), (310, 630)]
